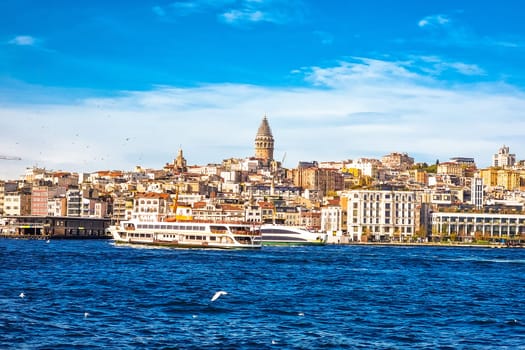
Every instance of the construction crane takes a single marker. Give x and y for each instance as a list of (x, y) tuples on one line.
[(9, 157)]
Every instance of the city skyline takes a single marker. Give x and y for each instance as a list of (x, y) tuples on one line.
[(110, 87)]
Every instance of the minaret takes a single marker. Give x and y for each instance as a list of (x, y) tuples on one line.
[(264, 142)]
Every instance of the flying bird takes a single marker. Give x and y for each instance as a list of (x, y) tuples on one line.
[(22, 295), (218, 295)]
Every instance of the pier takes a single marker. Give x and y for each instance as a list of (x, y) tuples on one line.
[(55, 227)]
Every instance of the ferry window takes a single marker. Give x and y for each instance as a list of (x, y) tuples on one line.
[(163, 227), (213, 238)]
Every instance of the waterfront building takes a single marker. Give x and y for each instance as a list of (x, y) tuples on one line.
[(253, 213), (503, 158), (17, 203), (381, 215), (94, 208), (57, 206), (264, 142), (468, 226), (28, 226), (332, 220), (150, 206), (287, 215), (74, 202), (122, 209), (39, 199), (212, 211)]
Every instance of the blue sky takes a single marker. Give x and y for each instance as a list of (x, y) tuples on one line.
[(111, 85)]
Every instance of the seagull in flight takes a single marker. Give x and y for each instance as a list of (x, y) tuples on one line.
[(22, 295), (218, 295)]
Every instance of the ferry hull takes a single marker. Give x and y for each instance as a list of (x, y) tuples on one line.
[(184, 235), (291, 236)]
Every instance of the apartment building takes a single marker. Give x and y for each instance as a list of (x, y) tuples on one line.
[(151, 206), (313, 178), (332, 222), (39, 200), (381, 215)]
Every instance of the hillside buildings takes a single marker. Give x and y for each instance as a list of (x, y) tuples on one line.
[(360, 200)]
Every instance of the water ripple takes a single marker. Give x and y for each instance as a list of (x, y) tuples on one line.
[(94, 295)]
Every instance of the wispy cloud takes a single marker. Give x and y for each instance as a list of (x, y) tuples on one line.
[(434, 65), (445, 30), (276, 11), (23, 40), (244, 15), (365, 107), (235, 12), (434, 20), (360, 69)]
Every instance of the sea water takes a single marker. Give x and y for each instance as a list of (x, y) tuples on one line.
[(93, 294)]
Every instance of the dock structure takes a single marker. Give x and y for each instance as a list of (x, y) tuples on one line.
[(56, 227)]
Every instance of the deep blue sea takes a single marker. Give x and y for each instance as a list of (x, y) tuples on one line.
[(93, 294)]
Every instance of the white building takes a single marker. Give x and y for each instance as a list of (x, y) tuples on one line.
[(368, 167), (503, 158), (150, 206), (476, 192), (467, 225), (12, 204), (381, 215), (332, 222)]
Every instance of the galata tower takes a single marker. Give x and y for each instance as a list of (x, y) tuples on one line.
[(264, 142)]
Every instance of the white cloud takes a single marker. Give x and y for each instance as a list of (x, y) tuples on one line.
[(363, 108), (434, 20), (234, 16), (23, 40)]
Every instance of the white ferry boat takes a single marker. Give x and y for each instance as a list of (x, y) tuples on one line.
[(291, 235), (189, 234)]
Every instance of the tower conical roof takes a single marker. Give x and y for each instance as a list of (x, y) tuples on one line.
[(264, 128)]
